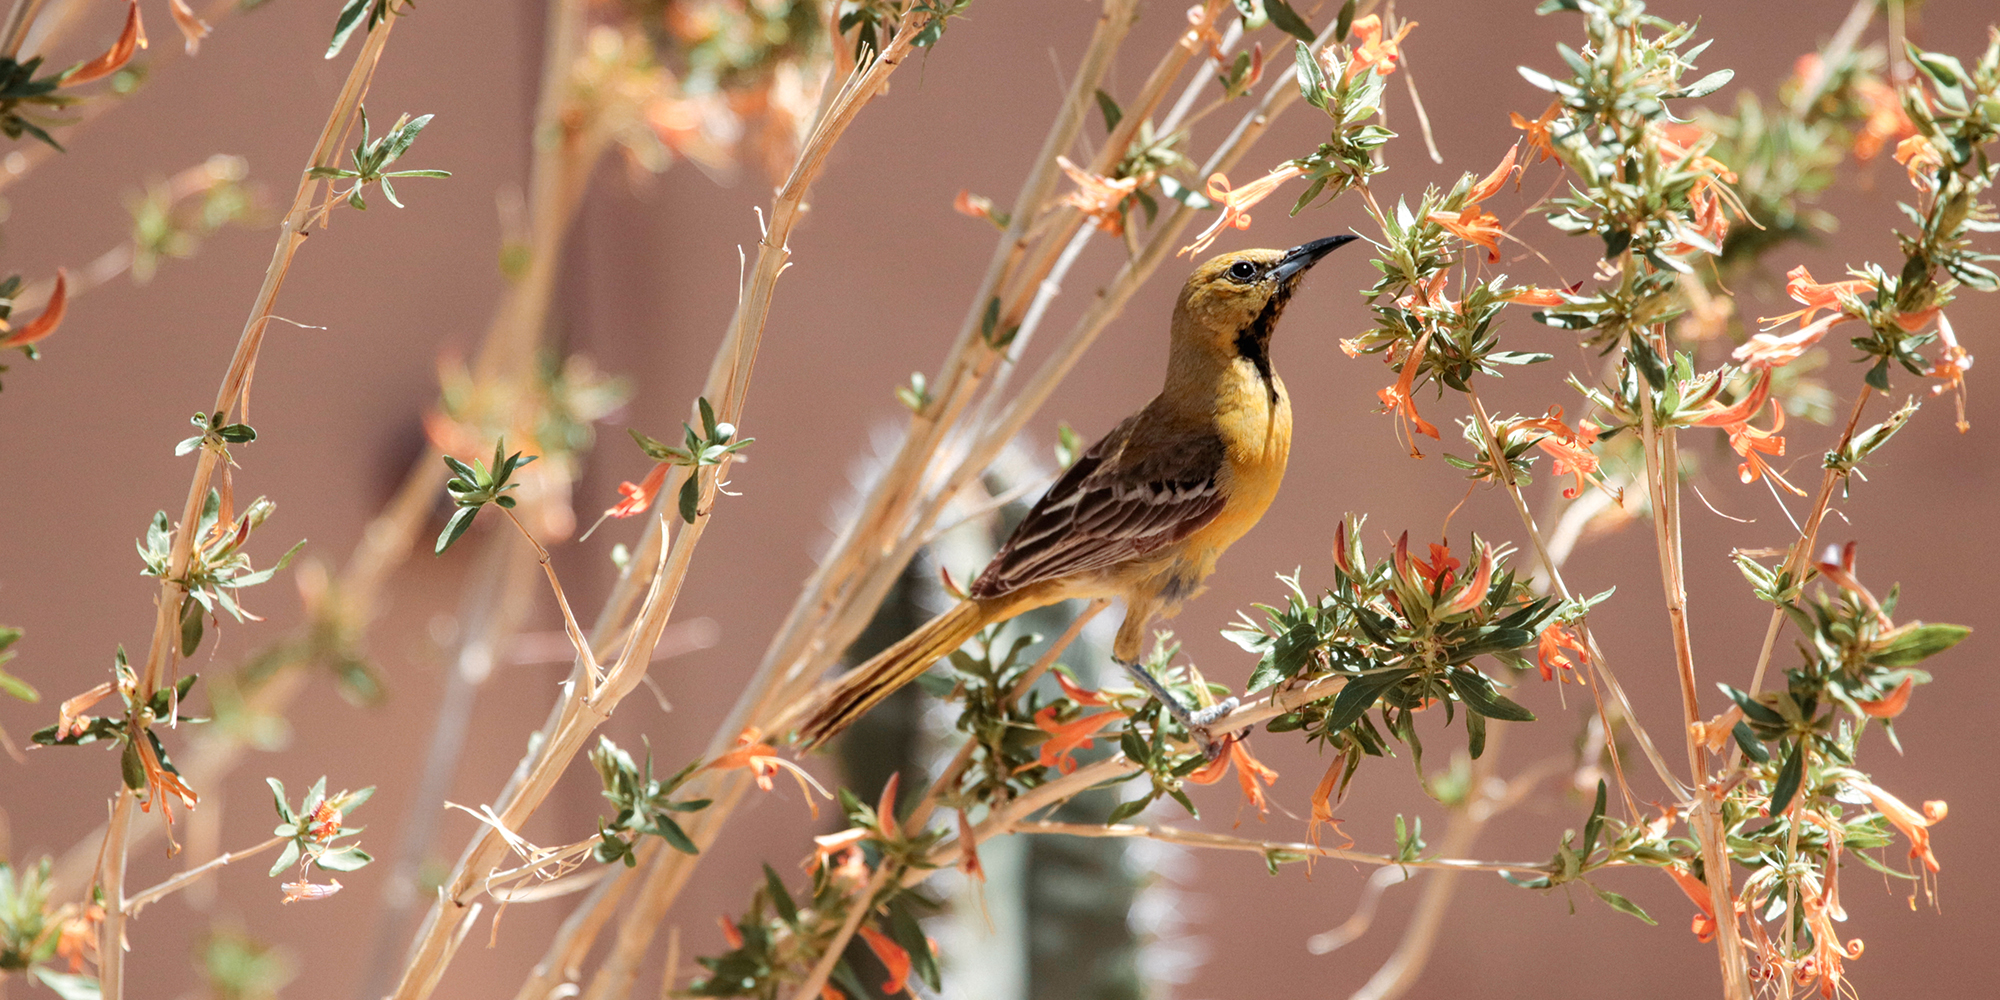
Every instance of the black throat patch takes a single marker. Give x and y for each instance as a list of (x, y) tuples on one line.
[(1253, 342)]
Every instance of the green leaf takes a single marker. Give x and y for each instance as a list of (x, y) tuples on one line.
[(1127, 809), (461, 521), (1476, 691), (1288, 21), (675, 837), (1475, 734), (346, 859), (191, 615), (1358, 696), (286, 858), (1312, 79), (690, 498), (1789, 776), (1752, 708), (1702, 88), (1112, 116), (781, 900), (284, 808), (1751, 746), (130, 768), (1919, 644), (69, 986), (344, 25), (1621, 904), (1344, 22)]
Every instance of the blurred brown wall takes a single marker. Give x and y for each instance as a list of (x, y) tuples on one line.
[(883, 272)]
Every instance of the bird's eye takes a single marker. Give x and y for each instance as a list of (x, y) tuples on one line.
[(1242, 270)]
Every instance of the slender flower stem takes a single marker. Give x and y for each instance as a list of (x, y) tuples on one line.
[(184, 879), (578, 715), (1223, 841), (111, 879), (1552, 565), (1663, 479), (231, 398)]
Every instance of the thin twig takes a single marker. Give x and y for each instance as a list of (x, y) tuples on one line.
[(189, 877), (1663, 479), (1223, 841), (728, 383), (111, 879)]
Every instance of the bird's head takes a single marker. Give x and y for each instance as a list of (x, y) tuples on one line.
[(1232, 301)]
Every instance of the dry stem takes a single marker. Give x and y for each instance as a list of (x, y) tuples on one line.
[(230, 399), (728, 383), (184, 879), (1663, 478)]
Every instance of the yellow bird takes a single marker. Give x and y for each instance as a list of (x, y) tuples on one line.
[(1146, 511)]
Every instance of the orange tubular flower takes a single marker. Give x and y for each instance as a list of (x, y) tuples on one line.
[(1099, 197), (307, 892), (1915, 825), (1374, 51), (1474, 593), (1474, 224), (130, 40), (1249, 771), (763, 761), (1764, 350), (892, 956), (638, 497), (1920, 158), (45, 324), (1437, 574), (1751, 444), (827, 846), (1236, 203), (1549, 650), (1892, 704), (1528, 295), (1885, 120), (1323, 801), (78, 939), (1743, 409), (1569, 449), (1066, 738), (968, 858), (1396, 398), (977, 206), (1077, 694), (1697, 891), (1538, 130), (1799, 284), (193, 29), (731, 934)]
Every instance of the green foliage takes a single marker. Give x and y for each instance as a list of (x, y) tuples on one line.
[(644, 803), (218, 567), (373, 156), (474, 486), (707, 448), (1404, 634), (26, 100), (316, 825)]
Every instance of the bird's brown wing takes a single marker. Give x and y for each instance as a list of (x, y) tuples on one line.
[(1124, 498)]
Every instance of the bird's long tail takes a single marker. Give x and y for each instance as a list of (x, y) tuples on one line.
[(862, 688)]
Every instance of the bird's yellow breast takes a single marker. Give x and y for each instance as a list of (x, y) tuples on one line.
[(1254, 420)]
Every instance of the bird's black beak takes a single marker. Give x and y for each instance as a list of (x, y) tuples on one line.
[(1297, 259)]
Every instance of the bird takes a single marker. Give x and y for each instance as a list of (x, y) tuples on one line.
[(1144, 512)]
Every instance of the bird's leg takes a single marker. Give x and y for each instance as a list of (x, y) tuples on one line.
[(1196, 720)]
